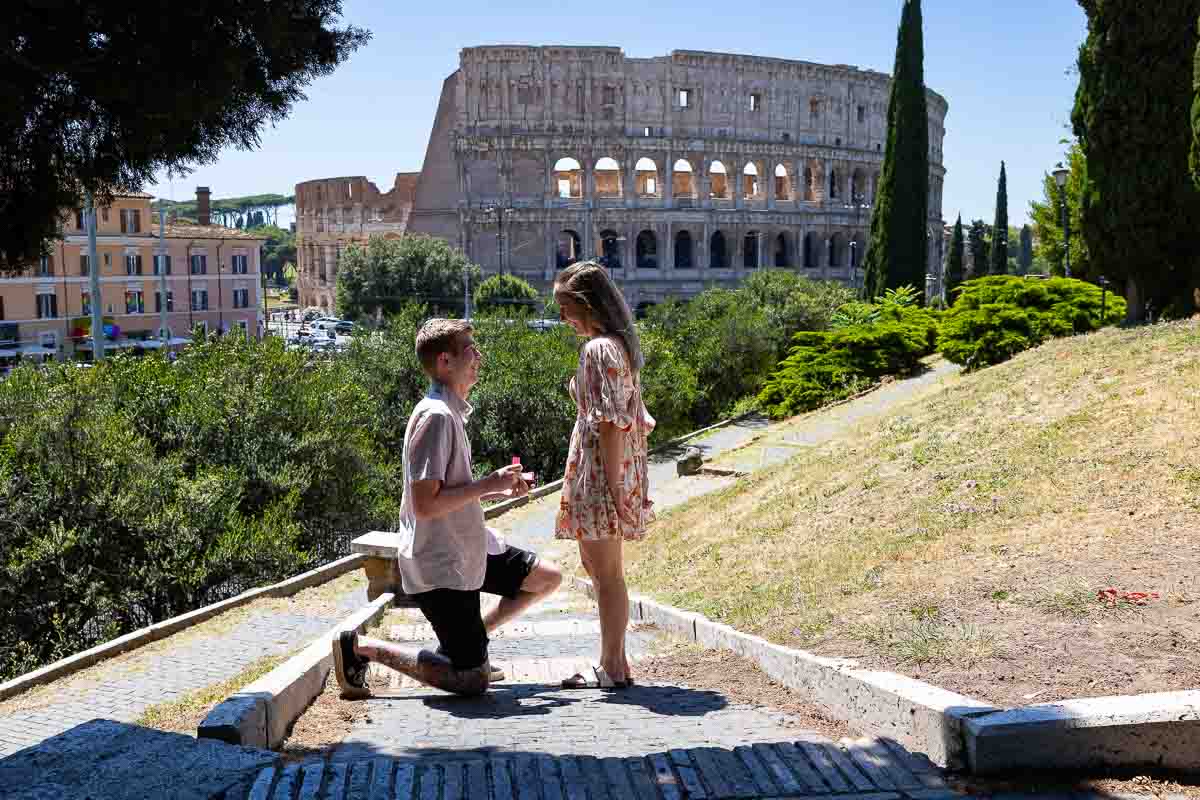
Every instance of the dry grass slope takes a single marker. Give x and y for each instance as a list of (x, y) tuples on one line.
[(964, 536)]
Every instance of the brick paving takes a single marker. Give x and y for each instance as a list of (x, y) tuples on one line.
[(155, 677)]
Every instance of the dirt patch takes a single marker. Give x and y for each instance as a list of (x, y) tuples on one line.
[(1024, 534), (1115, 784), (324, 725), (739, 680)]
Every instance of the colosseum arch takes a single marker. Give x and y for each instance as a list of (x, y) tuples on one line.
[(750, 249), (750, 181), (718, 253), (831, 185), (608, 178), (719, 179), (781, 251), (570, 248), (858, 248), (812, 250), (647, 250), (684, 255), (858, 187), (568, 179), (783, 183), (837, 250), (645, 178), (610, 249), (683, 180)]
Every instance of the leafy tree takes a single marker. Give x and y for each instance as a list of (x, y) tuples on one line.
[(1025, 257), (278, 250), (506, 292), (793, 303), (954, 261), (94, 101), (1141, 209), (1047, 219), (998, 263), (978, 241), (897, 253), (388, 273)]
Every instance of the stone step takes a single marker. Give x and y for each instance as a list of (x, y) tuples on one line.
[(856, 770), (541, 671)]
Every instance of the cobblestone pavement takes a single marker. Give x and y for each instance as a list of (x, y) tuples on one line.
[(162, 675)]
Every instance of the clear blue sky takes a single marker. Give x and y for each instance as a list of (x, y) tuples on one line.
[(1003, 67)]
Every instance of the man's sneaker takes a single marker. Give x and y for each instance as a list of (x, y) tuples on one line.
[(349, 667)]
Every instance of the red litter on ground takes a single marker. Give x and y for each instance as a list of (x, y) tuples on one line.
[(1112, 597)]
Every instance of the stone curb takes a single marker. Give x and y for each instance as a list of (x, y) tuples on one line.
[(1160, 729), (919, 716), (261, 714), (954, 731), (550, 488), (161, 630)]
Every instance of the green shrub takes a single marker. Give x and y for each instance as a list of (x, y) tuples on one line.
[(826, 366), (996, 317), (506, 292)]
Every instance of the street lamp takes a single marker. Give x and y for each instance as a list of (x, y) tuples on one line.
[(1060, 178), (500, 213)]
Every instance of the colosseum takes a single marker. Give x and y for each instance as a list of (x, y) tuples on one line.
[(678, 173)]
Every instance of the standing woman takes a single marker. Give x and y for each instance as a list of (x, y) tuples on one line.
[(604, 494)]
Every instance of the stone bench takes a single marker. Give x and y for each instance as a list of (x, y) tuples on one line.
[(380, 566)]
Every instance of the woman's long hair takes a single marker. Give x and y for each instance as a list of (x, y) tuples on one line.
[(589, 284)]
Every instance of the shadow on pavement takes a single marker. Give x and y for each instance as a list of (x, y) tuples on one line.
[(104, 760), (515, 700)]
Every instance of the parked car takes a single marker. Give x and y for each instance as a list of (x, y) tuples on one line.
[(344, 326)]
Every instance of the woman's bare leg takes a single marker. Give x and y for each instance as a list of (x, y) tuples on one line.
[(602, 559)]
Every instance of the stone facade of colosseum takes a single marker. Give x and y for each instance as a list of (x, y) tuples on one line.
[(678, 172)]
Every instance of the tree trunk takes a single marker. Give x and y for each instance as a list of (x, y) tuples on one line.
[(1135, 309)]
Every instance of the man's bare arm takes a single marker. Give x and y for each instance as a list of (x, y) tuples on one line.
[(433, 499)]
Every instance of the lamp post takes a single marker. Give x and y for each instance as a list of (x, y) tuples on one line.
[(500, 213), (1060, 178)]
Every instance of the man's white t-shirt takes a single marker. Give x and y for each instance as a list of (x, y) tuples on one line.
[(449, 552)]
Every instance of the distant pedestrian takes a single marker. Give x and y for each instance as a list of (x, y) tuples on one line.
[(605, 494)]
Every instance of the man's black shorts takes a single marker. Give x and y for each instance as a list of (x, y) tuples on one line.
[(454, 614)]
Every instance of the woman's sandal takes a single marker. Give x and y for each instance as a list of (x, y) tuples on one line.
[(601, 681)]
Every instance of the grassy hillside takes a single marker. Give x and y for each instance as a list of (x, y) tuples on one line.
[(967, 536)]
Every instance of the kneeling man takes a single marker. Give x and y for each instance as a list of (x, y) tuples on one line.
[(447, 557)]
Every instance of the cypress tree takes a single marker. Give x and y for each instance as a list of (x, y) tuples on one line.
[(897, 254), (999, 258), (978, 243), (1025, 260), (954, 261), (1140, 209)]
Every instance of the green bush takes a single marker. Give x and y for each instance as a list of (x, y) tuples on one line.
[(996, 317), (506, 292), (827, 366), (141, 488)]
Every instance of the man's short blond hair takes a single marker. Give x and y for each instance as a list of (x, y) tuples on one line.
[(439, 336)]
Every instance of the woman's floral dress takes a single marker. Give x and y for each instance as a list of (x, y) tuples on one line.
[(605, 390)]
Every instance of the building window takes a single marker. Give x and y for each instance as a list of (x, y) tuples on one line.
[(79, 219), (200, 264), (131, 220), (47, 306), (158, 302), (162, 265), (245, 328), (755, 101), (133, 264), (646, 133), (134, 302), (787, 137), (85, 300), (108, 259), (685, 98), (199, 299), (837, 142), (84, 264), (862, 114), (240, 264), (45, 267), (241, 298), (104, 214)]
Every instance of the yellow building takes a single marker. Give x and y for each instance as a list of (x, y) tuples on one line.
[(212, 281)]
